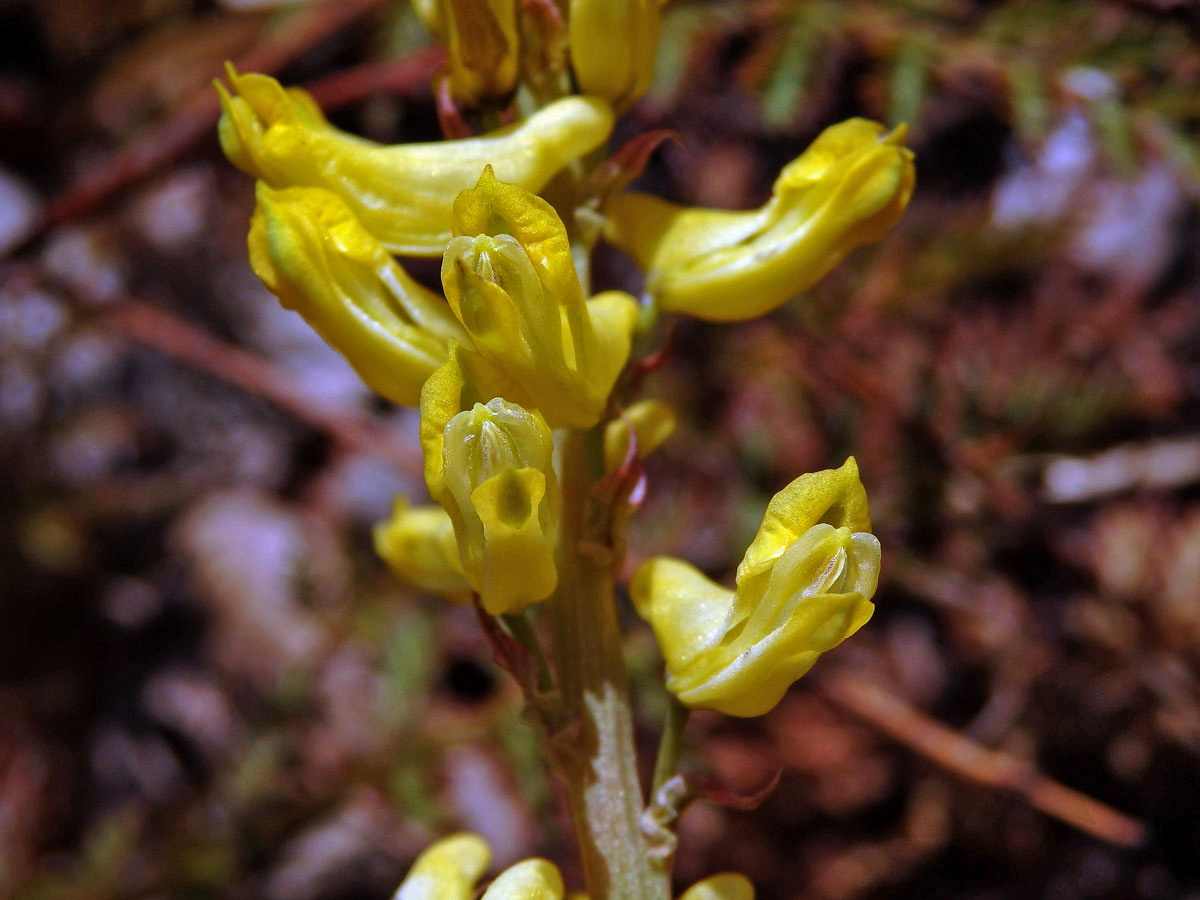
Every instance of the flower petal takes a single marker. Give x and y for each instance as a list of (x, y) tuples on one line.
[(846, 190), (530, 879), (448, 870), (402, 194), (725, 886), (418, 544), (309, 250)]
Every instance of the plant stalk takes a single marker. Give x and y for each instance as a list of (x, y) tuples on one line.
[(596, 750)]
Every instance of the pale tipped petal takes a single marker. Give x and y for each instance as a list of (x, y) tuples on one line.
[(448, 870), (832, 496), (530, 879)]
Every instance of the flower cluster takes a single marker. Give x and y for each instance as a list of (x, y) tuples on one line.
[(515, 352), (513, 348)]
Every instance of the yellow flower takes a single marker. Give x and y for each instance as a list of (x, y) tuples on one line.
[(482, 43), (510, 279), (652, 423), (847, 189), (613, 46), (419, 545), (725, 886), (803, 587), (315, 256), (450, 868), (402, 194), (488, 463), (447, 870)]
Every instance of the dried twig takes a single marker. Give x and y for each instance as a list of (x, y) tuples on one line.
[(406, 77), (193, 120), (176, 338), (963, 756)]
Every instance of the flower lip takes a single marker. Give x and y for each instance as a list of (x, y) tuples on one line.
[(490, 466)]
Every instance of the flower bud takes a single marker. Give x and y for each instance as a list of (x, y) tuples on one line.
[(510, 279), (613, 47), (846, 190), (803, 587), (530, 879), (652, 423), (489, 464), (725, 886), (402, 194), (482, 43), (448, 870), (419, 545), (314, 255)]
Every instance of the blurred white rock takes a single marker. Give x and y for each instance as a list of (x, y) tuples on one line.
[(87, 262), (173, 212), (247, 553), (20, 209), (31, 318)]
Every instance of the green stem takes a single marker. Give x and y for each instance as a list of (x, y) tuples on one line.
[(670, 745), (596, 749)]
